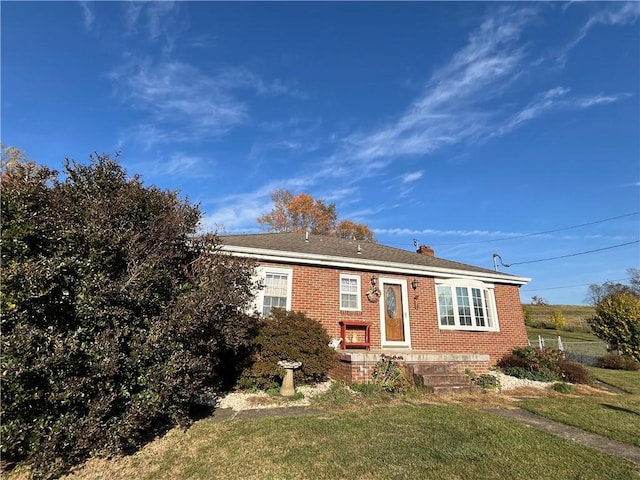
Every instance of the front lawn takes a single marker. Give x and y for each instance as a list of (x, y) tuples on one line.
[(435, 441), (613, 416)]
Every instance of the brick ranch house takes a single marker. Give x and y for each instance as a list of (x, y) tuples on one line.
[(374, 299)]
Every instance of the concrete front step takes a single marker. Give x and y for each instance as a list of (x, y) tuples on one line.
[(439, 377), (447, 388), (445, 379), (430, 368)]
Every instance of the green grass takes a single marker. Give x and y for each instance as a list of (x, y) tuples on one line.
[(439, 442), (547, 333), (622, 379), (613, 416)]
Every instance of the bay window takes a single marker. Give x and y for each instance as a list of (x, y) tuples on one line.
[(466, 305)]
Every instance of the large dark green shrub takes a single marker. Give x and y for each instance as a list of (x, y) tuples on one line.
[(546, 365), (289, 336), (615, 361), (113, 316)]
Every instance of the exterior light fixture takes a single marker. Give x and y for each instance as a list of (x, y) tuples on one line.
[(374, 281), (415, 284)]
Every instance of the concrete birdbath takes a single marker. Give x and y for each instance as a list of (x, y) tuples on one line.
[(287, 389)]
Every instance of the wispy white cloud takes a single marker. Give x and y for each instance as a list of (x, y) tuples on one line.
[(184, 103), (88, 16), (153, 18), (453, 106), (186, 165), (458, 104), (625, 13), (599, 99), (412, 177), (557, 99), (543, 103), (294, 136), (457, 233)]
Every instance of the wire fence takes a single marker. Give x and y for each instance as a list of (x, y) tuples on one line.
[(586, 352)]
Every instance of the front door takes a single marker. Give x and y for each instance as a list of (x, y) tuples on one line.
[(394, 313), (393, 317)]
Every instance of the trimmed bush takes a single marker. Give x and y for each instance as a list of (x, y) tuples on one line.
[(546, 365), (574, 372), (288, 336), (615, 361)]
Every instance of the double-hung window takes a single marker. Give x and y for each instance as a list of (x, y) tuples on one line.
[(466, 305), (277, 289), (350, 292)]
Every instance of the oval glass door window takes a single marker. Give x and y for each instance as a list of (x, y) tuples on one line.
[(390, 300)]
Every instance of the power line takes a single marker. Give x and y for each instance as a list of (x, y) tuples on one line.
[(567, 256), (538, 233)]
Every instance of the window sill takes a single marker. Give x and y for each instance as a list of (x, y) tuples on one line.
[(468, 329)]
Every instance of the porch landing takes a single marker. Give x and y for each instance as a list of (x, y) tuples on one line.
[(356, 366)]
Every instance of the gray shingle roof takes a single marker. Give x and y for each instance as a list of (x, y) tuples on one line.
[(348, 249)]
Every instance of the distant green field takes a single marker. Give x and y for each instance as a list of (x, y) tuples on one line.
[(577, 340), (577, 316)]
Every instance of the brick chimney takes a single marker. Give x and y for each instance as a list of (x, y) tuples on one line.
[(426, 250)]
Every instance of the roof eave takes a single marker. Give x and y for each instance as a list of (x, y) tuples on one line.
[(368, 264)]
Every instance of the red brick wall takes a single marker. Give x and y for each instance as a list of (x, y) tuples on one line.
[(316, 291)]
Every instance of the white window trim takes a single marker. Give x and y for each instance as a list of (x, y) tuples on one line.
[(358, 292), (262, 275), (490, 300)]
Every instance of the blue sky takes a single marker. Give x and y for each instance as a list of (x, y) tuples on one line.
[(456, 124)]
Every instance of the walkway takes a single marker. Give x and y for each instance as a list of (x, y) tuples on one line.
[(603, 444)]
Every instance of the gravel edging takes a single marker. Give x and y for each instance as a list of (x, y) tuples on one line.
[(239, 401), (507, 382)]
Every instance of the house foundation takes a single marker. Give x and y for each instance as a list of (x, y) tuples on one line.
[(358, 366)]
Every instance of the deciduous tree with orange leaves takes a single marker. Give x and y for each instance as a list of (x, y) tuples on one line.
[(303, 213)]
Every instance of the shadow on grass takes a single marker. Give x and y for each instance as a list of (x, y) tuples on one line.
[(620, 409)]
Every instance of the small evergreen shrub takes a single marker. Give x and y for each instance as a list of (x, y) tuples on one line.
[(615, 361), (487, 382), (562, 387), (388, 375), (288, 336)]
